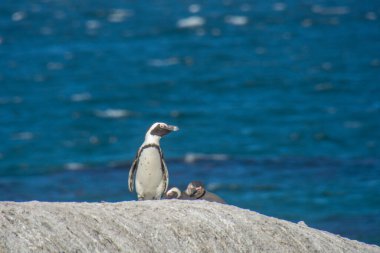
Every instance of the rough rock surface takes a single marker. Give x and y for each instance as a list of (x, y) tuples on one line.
[(157, 226)]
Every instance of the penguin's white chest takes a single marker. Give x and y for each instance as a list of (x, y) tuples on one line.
[(149, 174)]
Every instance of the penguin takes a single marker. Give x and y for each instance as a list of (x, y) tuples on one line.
[(196, 190), (175, 193), (148, 172)]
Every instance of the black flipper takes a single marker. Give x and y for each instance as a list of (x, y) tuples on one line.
[(132, 172)]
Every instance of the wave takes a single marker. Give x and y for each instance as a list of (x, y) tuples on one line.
[(74, 166), (80, 97), (190, 22), (112, 113), (236, 20), (193, 157)]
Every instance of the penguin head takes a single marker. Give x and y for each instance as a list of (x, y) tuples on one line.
[(195, 189), (173, 193), (159, 129)]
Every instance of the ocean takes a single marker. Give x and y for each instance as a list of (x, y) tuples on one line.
[(277, 103)]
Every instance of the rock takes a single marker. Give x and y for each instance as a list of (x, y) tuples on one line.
[(157, 226)]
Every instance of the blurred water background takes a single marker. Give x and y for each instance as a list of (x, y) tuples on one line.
[(277, 102)]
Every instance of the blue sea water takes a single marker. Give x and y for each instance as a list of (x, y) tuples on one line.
[(277, 102)]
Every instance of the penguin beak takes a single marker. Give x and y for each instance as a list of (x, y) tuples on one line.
[(163, 129), (199, 189), (171, 128), (190, 191)]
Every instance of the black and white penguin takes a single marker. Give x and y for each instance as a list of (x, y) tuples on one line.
[(148, 170), (175, 193), (197, 190)]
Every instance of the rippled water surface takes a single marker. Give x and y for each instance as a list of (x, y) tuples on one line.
[(277, 102)]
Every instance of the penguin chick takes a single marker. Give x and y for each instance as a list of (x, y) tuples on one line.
[(148, 171), (175, 193), (197, 190)]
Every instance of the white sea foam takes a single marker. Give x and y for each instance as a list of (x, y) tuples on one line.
[(23, 136), (119, 15), (74, 166), (302, 223), (213, 186), (307, 22), (112, 113), (163, 62), (193, 157), (193, 21), (323, 87), (93, 140), (194, 8), (236, 20), (92, 24), (371, 15), (279, 6), (18, 16), (79, 97), (217, 186)]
